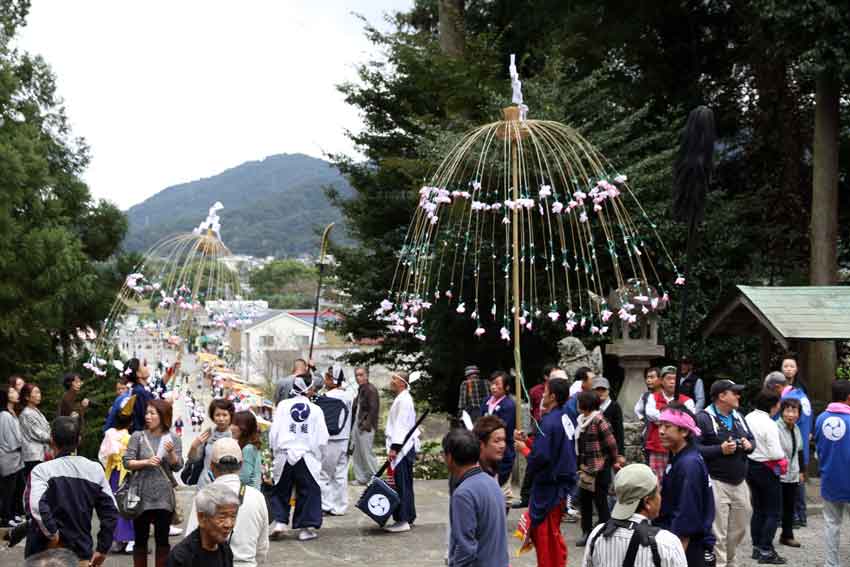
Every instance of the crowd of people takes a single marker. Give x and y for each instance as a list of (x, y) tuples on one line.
[(707, 475)]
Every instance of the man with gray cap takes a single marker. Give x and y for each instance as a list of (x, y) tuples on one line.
[(627, 539), (474, 391)]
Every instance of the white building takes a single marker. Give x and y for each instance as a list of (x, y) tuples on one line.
[(275, 331)]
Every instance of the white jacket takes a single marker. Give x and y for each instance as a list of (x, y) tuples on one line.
[(401, 419), (250, 539), (767, 445), (298, 431)]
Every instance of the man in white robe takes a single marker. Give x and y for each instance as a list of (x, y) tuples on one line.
[(334, 475), (297, 438), (401, 419)]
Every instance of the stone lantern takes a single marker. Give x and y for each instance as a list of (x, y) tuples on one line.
[(635, 345)]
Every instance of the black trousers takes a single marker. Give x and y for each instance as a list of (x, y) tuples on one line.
[(789, 499), (11, 496), (598, 498), (695, 554), (161, 520)]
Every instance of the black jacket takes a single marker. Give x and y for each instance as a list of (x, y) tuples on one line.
[(731, 469), (614, 414), (188, 553)]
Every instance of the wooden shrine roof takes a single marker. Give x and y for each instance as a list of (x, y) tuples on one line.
[(787, 313)]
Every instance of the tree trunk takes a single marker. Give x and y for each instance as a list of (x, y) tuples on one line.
[(452, 34), (823, 268)]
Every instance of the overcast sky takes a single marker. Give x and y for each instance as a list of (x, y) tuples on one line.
[(171, 91)]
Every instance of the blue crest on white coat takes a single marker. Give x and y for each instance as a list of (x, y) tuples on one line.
[(299, 412)]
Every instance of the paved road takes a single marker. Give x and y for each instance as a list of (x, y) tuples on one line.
[(354, 539)]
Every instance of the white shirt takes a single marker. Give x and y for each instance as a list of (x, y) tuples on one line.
[(610, 552), (347, 397), (250, 540), (575, 388), (768, 447), (652, 413), (298, 431), (401, 419)]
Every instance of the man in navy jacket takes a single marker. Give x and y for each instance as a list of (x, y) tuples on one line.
[(552, 464), (63, 494), (725, 443), (687, 504)]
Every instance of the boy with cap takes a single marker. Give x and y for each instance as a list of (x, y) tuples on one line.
[(333, 477), (638, 503), (724, 445), (474, 391), (250, 539), (612, 412), (297, 437), (687, 509)]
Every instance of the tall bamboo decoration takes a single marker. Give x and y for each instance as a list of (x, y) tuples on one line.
[(531, 203), (322, 253), (180, 277)]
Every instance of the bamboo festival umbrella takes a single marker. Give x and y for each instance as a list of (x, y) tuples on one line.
[(523, 221), (178, 279)]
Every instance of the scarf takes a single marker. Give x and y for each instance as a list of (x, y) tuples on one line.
[(493, 403), (583, 423)]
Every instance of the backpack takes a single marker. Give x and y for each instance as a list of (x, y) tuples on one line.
[(336, 413), (643, 535)]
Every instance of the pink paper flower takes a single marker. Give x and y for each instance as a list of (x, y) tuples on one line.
[(503, 332), (680, 280), (479, 331), (554, 316)]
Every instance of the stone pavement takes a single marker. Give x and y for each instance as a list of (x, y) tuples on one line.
[(355, 539)]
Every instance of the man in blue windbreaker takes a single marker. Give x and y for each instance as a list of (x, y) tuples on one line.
[(552, 464), (833, 446)]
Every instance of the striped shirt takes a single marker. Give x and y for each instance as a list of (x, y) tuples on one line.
[(610, 552)]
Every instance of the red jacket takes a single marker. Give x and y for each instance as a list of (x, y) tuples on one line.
[(653, 439)]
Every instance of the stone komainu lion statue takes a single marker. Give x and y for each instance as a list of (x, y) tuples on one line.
[(574, 355)]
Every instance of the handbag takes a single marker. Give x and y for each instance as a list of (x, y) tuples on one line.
[(586, 480), (177, 515), (192, 470), (128, 497)]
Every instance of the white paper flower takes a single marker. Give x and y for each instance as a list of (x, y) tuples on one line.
[(461, 308), (479, 331), (503, 332), (545, 191), (554, 315)]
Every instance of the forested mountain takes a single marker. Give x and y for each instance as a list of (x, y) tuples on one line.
[(271, 207)]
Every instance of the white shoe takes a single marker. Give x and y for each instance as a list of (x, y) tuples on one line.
[(174, 530), (278, 529), (130, 546), (307, 534), (398, 527)]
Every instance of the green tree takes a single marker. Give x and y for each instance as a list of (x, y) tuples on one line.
[(285, 284), (54, 237), (625, 75)]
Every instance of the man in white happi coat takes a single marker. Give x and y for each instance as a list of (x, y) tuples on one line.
[(401, 419), (334, 475), (297, 438)]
